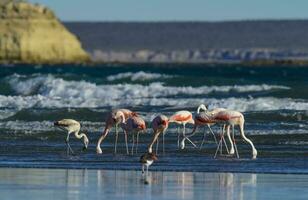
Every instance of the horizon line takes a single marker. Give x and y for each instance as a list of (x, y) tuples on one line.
[(185, 21)]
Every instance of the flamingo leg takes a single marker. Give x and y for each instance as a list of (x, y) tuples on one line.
[(132, 151), (116, 139), (219, 146), (237, 155), (137, 142), (178, 137), (126, 143), (212, 133), (222, 138), (184, 136), (217, 149), (69, 149), (230, 140), (191, 142), (226, 145), (157, 141), (203, 139), (164, 141)]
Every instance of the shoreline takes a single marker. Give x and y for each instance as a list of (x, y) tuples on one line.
[(270, 63)]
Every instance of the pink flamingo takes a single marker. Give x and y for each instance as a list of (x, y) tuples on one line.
[(114, 118), (182, 117), (159, 125), (133, 124), (204, 118), (228, 118), (232, 118)]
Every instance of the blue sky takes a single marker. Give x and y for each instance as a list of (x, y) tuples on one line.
[(176, 10)]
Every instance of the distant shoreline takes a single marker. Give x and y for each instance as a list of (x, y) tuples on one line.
[(257, 63)]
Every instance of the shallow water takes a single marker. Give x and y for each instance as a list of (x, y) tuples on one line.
[(115, 184), (274, 101)]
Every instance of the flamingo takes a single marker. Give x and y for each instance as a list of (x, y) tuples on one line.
[(205, 109), (146, 160), (134, 124), (182, 117), (114, 118), (204, 118), (72, 126), (159, 125), (232, 118)]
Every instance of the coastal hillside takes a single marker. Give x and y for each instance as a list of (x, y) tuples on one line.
[(194, 41), (33, 34)]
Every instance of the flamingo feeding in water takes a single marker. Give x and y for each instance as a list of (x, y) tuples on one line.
[(232, 118), (182, 117), (159, 126), (114, 118), (203, 118), (72, 126), (134, 124)]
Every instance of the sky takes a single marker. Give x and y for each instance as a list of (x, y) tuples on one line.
[(176, 10)]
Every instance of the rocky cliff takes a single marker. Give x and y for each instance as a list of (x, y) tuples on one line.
[(33, 34)]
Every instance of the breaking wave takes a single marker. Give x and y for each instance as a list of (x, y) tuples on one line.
[(137, 76), (48, 92)]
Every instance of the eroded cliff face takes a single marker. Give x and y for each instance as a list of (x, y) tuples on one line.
[(32, 34)]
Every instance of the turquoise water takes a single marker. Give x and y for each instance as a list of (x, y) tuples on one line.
[(274, 101)]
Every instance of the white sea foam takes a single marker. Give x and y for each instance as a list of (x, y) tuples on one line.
[(92, 128), (41, 126), (137, 76), (49, 92)]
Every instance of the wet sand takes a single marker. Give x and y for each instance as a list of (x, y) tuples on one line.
[(23, 183)]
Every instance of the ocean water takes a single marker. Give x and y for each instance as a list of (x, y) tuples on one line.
[(274, 101), (37, 184)]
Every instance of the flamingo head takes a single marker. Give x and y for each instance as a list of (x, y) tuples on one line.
[(182, 144), (142, 126), (118, 117), (134, 114), (86, 143)]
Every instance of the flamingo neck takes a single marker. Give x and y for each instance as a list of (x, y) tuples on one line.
[(201, 107), (81, 135)]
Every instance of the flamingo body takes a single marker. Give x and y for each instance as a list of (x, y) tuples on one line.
[(72, 126), (159, 125), (182, 117), (134, 124), (114, 118), (232, 118)]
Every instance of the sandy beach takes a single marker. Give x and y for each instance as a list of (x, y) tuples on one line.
[(23, 183)]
